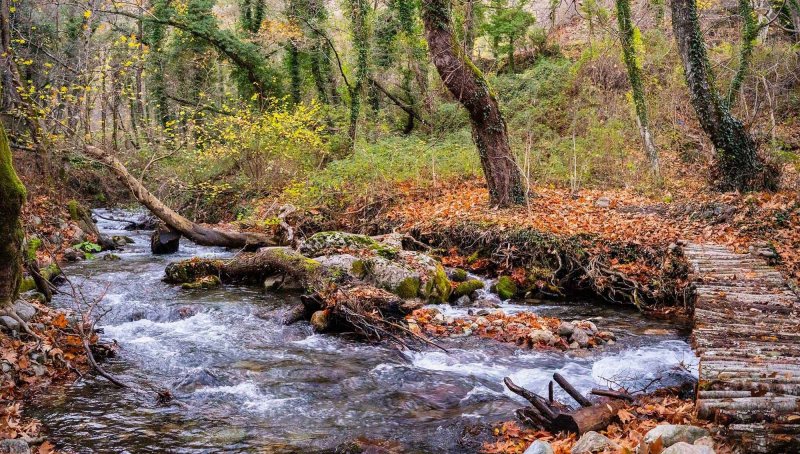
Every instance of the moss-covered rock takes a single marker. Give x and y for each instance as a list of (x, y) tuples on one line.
[(458, 275), (328, 242), (437, 289), (505, 287), (467, 287), (205, 282), (187, 271), (408, 288), (27, 284)]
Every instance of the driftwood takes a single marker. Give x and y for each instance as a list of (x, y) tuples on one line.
[(197, 233), (556, 417)]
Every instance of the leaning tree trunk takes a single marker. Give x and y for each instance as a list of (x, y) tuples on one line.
[(737, 160), (11, 233), (627, 33), (197, 233), (466, 83)]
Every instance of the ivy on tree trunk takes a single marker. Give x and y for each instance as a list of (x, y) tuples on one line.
[(629, 36), (738, 164), (467, 84)]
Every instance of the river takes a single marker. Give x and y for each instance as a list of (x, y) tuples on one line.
[(249, 384)]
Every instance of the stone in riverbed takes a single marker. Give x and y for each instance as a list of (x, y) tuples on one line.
[(320, 320), (592, 442), (14, 446), (542, 336), (9, 323), (539, 447), (671, 434), (25, 310), (73, 255), (164, 241), (581, 337), (685, 448), (566, 329), (505, 287)]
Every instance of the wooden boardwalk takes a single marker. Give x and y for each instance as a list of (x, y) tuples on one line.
[(747, 335)]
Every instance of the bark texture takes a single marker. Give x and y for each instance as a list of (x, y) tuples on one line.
[(197, 233), (737, 160), (467, 85), (12, 196)]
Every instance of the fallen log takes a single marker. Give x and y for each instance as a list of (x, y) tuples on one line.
[(556, 417), (248, 267), (204, 236)]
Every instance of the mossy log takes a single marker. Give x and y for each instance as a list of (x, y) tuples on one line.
[(197, 233), (248, 267)]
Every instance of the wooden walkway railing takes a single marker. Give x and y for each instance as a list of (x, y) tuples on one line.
[(747, 335)]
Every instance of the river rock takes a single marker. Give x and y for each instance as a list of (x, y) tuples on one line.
[(324, 243), (591, 442), (164, 241), (463, 301), (26, 311), (14, 446), (685, 448), (198, 379), (581, 337), (671, 434), (566, 329), (541, 336), (9, 323), (539, 447), (73, 255), (602, 202), (320, 321)]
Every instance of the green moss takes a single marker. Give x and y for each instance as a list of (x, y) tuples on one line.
[(459, 275), (11, 233), (205, 282), (74, 209), (33, 245), (328, 241), (27, 284), (408, 288), (505, 287), (473, 258), (360, 269), (51, 271), (437, 289), (467, 287)]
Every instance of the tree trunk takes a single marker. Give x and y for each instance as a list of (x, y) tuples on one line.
[(469, 27), (633, 64), (750, 29), (199, 234), (466, 83), (11, 233), (738, 165)]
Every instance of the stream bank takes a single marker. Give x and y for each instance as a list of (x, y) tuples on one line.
[(251, 383)]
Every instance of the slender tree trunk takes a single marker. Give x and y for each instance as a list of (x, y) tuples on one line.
[(627, 33), (317, 67), (469, 27), (467, 85), (293, 57), (11, 233), (737, 161), (750, 29), (358, 12)]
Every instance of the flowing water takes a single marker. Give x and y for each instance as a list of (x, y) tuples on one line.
[(250, 384)]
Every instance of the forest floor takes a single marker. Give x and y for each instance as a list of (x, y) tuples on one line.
[(736, 220)]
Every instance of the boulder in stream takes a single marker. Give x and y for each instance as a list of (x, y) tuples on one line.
[(592, 442), (164, 241)]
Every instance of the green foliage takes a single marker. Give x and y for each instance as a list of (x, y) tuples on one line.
[(505, 287), (88, 247), (506, 25), (374, 168)]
